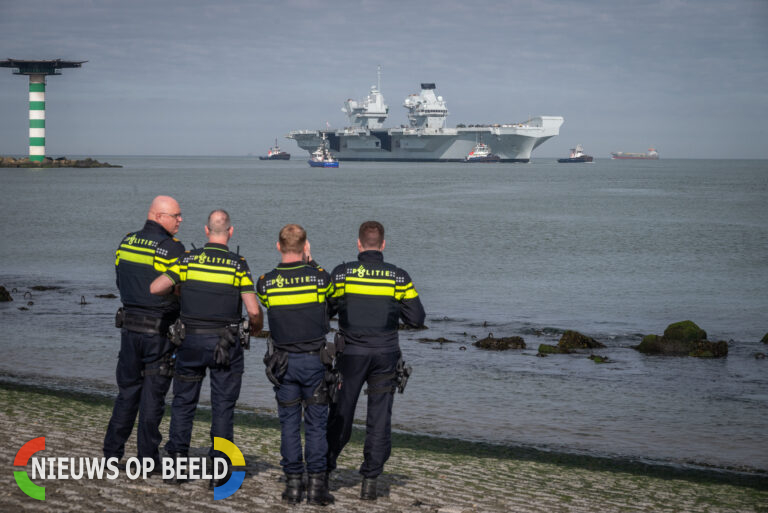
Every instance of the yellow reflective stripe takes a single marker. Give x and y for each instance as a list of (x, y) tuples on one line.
[(264, 299), (370, 280), (117, 257), (338, 291), (368, 290), (164, 260), (293, 299), (137, 259), (137, 248), (230, 270), (245, 281), (196, 275), (411, 293), (291, 289)]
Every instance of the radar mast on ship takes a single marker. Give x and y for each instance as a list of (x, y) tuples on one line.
[(368, 113)]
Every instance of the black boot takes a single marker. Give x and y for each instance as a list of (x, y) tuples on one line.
[(368, 490), (294, 488), (215, 483), (317, 490), (176, 456)]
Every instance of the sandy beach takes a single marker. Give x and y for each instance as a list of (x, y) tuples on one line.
[(424, 474)]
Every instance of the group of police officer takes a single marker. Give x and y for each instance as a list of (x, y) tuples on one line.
[(181, 316)]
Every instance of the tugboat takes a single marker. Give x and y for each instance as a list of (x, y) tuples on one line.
[(274, 153), (481, 153), (577, 155), (322, 157)]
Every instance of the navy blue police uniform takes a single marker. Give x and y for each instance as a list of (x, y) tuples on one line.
[(294, 295), (144, 365), (370, 296), (212, 279)]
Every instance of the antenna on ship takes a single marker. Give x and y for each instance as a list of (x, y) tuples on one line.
[(378, 78)]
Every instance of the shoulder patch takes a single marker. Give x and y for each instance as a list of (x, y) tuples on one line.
[(261, 277)]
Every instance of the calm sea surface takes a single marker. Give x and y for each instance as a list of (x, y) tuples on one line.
[(614, 249)]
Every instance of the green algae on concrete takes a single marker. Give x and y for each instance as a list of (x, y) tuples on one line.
[(424, 474)]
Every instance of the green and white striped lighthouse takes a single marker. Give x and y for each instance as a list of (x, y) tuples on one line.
[(37, 71)]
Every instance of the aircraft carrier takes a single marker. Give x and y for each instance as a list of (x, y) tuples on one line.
[(425, 138)]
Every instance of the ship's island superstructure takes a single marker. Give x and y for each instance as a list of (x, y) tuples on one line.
[(425, 138)]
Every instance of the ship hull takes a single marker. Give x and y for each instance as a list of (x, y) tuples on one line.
[(279, 156), (512, 143), (576, 160)]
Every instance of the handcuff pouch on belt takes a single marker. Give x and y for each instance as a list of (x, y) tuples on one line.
[(176, 333)]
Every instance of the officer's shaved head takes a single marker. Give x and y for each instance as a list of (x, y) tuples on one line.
[(371, 235), (218, 222), (165, 211), (292, 238)]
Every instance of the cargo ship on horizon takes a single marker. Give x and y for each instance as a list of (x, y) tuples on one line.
[(425, 138), (651, 155)]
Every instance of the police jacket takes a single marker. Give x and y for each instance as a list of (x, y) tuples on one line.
[(294, 295), (371, 296), (143, 256), (212, 279)]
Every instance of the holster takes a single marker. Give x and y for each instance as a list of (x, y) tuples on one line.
[(120, 317), (403, 372), (244, 333), (221, 351), (176, 333), (275, 363), (162, 367)]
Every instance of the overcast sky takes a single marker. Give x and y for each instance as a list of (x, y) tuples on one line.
[(226, 77)]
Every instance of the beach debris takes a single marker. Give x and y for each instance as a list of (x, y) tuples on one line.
[(765, 339), (462, 348), (83, 301), (575, 340), (27, 295), (598, 359), (4, 295), (759, 356), (41, 288), (500, 344), (30, 303), (440, 340), (683, 338), (107, 296)]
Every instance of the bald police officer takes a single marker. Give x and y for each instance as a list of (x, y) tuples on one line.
[(214, 284), (144, 367)]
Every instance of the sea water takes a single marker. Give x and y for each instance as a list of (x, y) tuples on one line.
[(613, 249)]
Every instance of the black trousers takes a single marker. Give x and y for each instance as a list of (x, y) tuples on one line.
[(357, 370), (140, 394)]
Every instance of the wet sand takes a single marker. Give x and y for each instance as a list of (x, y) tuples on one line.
[(424, 474)]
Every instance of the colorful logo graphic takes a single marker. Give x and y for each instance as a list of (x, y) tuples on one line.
[(21, 460), (235, 481)]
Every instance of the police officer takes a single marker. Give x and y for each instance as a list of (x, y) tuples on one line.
[(294, 295), (144, 366), (214, 283), (371, 296)]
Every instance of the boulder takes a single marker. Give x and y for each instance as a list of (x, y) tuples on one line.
[(684, 331), (575, 340), (545, 349), (765, 339), (500, 344), (4, 295), (683, 338)]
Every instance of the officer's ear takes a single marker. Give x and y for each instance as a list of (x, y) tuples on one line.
[(207, 232), (359, 246), (383, 243), (277, 245), (231, 231)]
